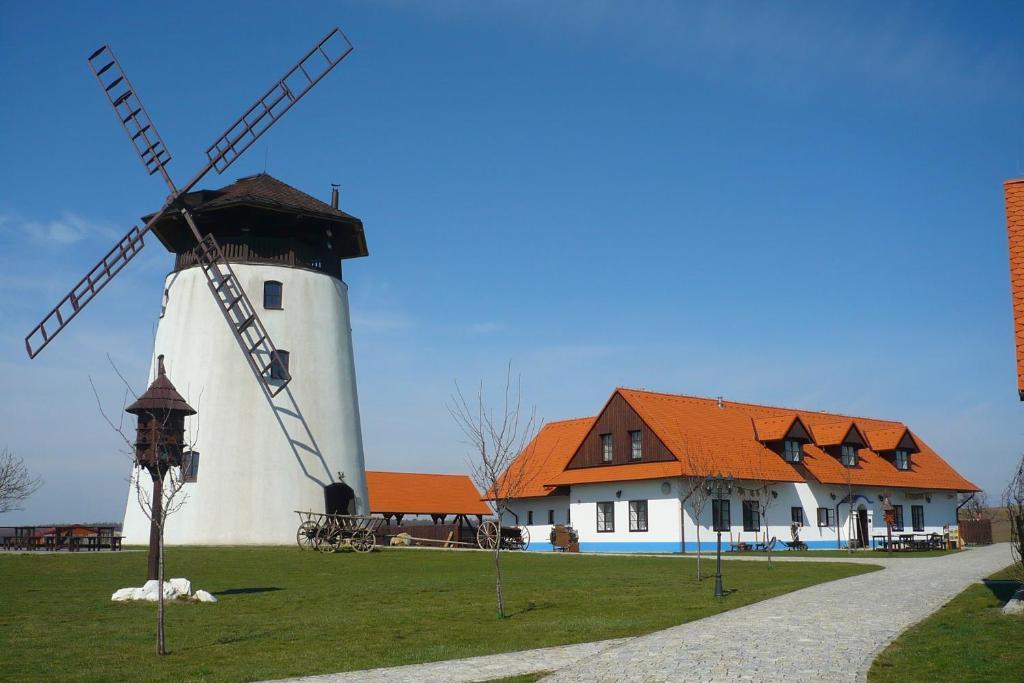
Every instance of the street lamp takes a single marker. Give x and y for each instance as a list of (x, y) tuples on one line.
[(718, 487)]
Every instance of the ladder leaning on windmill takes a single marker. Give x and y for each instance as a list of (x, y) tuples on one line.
[(250, 333)]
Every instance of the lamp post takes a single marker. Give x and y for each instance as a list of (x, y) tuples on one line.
[(719, 487)]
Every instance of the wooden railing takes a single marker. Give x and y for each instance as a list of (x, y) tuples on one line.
[(291, 253)]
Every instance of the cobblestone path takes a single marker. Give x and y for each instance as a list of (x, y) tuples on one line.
[(828, 632)]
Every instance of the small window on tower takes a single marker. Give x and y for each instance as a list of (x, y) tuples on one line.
[(272, 294), (190, 466), (279, 368)]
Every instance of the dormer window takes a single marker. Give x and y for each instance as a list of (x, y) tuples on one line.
[(848, 455), (902, 459), (793, 450)]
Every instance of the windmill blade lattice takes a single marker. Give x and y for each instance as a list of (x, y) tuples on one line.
[(133, 116), (306, 73), (252, 336)]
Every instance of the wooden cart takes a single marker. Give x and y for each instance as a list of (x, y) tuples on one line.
[(330, 533), (512, 537)]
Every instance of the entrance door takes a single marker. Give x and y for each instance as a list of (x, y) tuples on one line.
[(862, 528)]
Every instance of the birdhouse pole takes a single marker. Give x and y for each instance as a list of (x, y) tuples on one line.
[(159, 445)]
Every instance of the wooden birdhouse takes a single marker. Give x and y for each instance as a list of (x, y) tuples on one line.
[(160, 433)]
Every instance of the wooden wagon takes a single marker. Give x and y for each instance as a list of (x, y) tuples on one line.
[(512, 537), (330, 533)]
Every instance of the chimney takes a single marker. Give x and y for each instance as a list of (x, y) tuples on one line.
[(721, 403), (1014, 192), (334, 195)]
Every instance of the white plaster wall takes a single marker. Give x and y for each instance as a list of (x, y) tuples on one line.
[(540, 530), (260, 458), (663, 520), (664, 514)]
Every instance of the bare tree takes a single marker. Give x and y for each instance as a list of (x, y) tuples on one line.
[(497, 437), (976, 507), (763, 497), (16, 484), (692, 491), (166, 494), (1013, 501)]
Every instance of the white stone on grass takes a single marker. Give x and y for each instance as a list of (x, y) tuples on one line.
[(175, 589), (1015, 605)]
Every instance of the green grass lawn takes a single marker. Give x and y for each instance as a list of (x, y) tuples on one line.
[(283, 612), (967, 640)]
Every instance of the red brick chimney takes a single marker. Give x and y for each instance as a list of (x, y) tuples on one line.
[(1014, 192)]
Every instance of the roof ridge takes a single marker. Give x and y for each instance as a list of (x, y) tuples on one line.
[(761, 405), (425, 474), (568, 419)]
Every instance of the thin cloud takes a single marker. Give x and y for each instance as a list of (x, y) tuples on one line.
[(69, 228)]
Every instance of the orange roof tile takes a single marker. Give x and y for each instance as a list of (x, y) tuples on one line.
[(832, 433), (708, 439), (412, 493), (1014, 194), (773, 428), (632, 472), (886, 439), (547, 455)]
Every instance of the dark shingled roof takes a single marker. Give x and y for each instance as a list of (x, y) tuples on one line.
[(161, 395), (262, 190), (283, 208)]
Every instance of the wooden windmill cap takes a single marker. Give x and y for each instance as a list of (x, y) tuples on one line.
[(160, 396)]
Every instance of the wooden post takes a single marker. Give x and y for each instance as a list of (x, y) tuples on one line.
[(154, 530)]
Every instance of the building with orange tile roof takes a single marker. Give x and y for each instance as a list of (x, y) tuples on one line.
[(620, 478), (1013, 191), (410, 493)]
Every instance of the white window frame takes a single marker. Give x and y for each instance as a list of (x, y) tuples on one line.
[(607, 448), (635, 516), (789, 454), (902, 459), (605, 521), (636, 445), (848, 455)]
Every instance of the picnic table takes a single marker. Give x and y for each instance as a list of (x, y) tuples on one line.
[(908, 542)]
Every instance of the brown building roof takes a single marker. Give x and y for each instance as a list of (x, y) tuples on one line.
[(161, 395), (258, 200)]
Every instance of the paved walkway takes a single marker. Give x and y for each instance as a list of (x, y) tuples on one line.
[(830, 631)]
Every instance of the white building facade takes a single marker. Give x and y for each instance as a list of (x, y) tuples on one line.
[(622, 480), (648, 517)]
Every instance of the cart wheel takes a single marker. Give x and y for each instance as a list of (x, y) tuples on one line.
[(363, 540), (525, 533), (328, 540), (306, 536), (487, 535)]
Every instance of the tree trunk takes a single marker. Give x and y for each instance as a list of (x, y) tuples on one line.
[(698, 548), (497, 577), (161, 643), (155, 519)]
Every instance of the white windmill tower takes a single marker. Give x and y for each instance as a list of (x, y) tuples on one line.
[(279, 420)]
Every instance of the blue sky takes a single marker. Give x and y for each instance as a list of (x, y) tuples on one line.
[(796, 204)]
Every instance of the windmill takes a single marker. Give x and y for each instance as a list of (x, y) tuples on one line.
[(249, 331), (271, 446)]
